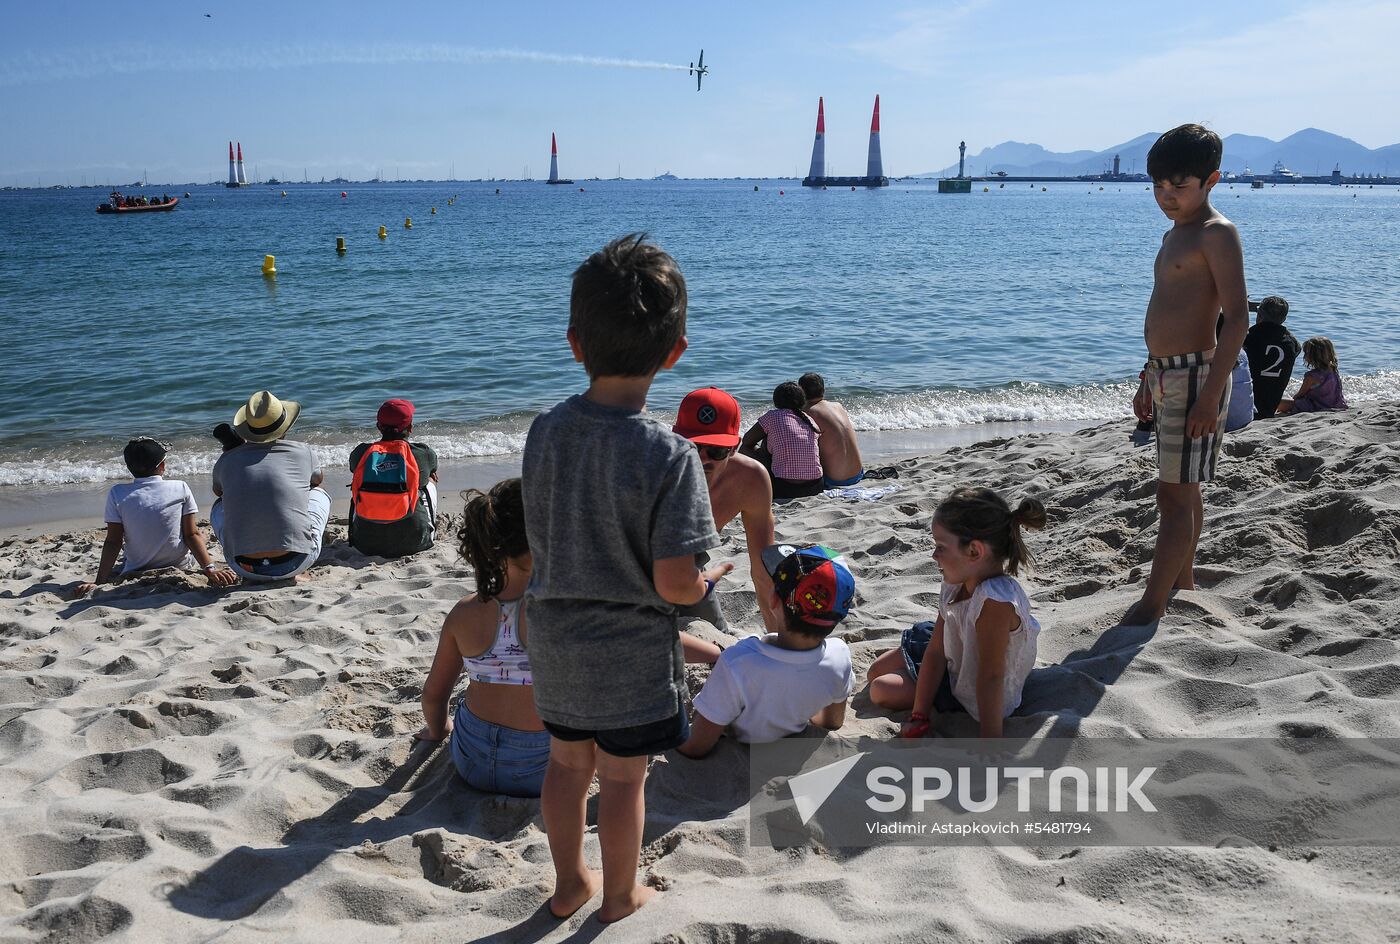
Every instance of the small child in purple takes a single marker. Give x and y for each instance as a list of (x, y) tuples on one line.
[(1322, 384)]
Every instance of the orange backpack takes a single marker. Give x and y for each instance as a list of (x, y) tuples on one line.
[(385, 487)]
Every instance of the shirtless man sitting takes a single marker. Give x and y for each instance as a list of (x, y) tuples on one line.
[(841, 462), (739, 487)]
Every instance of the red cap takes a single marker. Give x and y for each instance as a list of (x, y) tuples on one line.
[(821, 116), (710, 417), (875, 118), (396, 415)]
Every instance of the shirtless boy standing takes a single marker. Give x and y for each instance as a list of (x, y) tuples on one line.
[(1199, 273), (739, 488), (841, 462)]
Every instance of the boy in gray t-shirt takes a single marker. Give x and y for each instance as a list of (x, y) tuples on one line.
[(616, 509)]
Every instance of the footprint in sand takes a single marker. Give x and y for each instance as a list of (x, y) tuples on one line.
[(140, 771)]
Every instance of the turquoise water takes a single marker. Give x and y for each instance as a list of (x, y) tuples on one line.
[(921, 310)]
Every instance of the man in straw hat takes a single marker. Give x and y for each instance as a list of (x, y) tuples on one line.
[(271, 514)]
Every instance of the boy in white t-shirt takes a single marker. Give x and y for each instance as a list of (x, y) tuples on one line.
[(767, 687), (151, 520)]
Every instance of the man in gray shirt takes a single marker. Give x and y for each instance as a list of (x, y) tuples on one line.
[(271, 514)]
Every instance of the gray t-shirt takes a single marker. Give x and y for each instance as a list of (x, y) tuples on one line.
[(607, 492), (266, 489)]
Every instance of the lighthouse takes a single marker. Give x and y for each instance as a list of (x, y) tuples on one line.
[(818, 168), (873, 165), (242, 180), (232, 171)]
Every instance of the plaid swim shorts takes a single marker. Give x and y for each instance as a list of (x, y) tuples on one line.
[(1176, 383)]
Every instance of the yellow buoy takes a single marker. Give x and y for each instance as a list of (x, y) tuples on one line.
[(269, 266), (434, 211), (383, 232), (284, 193), (408, 222), (340, 245)]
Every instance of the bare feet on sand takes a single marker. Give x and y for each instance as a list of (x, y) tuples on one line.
[(617, 910), (570, 896), (1142, 613)]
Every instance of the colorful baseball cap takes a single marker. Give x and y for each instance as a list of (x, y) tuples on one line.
[(813, 582), (710, 417), (395, 414)]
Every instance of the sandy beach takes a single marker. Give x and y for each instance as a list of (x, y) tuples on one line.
[(184, 764)]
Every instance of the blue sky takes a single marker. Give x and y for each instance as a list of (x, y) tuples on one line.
[(104, 90)]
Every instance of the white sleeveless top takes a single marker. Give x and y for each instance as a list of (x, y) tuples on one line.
[(506, 662), (960, 639)]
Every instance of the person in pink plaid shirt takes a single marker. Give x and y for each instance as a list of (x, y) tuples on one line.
[(791, 439)]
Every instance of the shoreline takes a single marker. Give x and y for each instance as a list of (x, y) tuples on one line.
[(29, 511)]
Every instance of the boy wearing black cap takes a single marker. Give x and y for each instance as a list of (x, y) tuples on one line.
[(153, 520), (767, 687)]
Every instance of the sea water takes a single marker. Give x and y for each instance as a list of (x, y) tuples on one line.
[(921, 310)]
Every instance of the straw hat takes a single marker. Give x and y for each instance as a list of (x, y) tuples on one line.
[(264, 418)]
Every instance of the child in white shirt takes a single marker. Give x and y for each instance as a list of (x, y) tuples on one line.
[(977, 655), (767, 687), (151, 521)]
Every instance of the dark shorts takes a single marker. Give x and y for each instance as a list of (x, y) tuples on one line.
[(913, 643), (654, 737), (791, 488)]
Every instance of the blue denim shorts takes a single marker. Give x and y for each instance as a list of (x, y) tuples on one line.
[(913, 643), (497, 759)]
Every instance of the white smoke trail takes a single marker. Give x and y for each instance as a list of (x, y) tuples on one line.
[(29, 68)]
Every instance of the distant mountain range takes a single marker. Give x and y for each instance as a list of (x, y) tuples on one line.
[(1309, 151)]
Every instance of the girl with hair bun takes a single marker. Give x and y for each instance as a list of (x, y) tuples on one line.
[(498, 742), (976, 656)]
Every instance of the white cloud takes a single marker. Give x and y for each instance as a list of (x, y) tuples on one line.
[(82, 64)]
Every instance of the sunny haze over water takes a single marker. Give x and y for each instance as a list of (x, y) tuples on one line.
[(921, 310)]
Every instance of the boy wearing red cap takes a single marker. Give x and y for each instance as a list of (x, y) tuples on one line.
[(739, 488), (415, 532), (767, 687)]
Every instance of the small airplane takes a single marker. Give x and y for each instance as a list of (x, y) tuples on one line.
[(699, 71)]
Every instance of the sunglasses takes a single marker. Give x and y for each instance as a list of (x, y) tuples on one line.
[(715, 453)]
